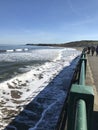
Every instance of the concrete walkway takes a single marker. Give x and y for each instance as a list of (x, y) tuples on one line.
[(92, 80)]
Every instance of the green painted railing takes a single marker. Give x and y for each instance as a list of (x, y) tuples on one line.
[(81, 100), (81, 116), (82, 73)]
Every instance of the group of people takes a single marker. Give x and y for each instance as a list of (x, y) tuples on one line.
[(91, 50)]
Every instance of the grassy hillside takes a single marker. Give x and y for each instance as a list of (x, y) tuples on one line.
[(83, 43)]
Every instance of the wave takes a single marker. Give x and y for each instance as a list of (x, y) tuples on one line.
[(15, 63), (18, 91), (12, 64), (32, 55), (14, 50)]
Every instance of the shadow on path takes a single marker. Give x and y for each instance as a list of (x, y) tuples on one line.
[(95, 121)]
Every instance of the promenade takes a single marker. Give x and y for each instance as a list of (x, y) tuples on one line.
[(92, 80)]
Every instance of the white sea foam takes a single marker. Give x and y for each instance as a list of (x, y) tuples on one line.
[(25, 87), (42, 55), (25, 49), (9, 50), (17, 50)]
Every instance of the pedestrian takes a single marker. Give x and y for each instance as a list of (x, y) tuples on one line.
[(97, 50), (85, 50), (88, 50), (92, 50)]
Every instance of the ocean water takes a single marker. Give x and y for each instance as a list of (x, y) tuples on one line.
[(17, 59), (34, 85)]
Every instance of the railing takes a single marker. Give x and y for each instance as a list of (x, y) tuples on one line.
[(81, 100), (81, 115)]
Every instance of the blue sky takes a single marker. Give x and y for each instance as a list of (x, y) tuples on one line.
[(48, 21)]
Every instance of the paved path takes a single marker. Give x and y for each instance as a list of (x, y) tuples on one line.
[(92, 80)]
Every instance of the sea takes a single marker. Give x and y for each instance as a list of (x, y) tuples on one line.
[(17, 59), (34, 82)]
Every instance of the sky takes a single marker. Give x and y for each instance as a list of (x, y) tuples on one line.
[(48, 21)]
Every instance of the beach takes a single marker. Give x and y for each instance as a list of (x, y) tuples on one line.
[(35, 98)]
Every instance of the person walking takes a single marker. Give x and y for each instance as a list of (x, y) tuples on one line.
[(88, 50), (97, 50), (92, 50)]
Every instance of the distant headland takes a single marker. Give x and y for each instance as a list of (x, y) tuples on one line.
[(83, 43)]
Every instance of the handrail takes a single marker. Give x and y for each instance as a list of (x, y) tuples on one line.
[(81, 118), (79, 110), (82, 74)]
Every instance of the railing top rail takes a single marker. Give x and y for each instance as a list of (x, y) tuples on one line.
[(81, 101)]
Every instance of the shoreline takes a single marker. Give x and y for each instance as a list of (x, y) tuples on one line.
[(48, 86)]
